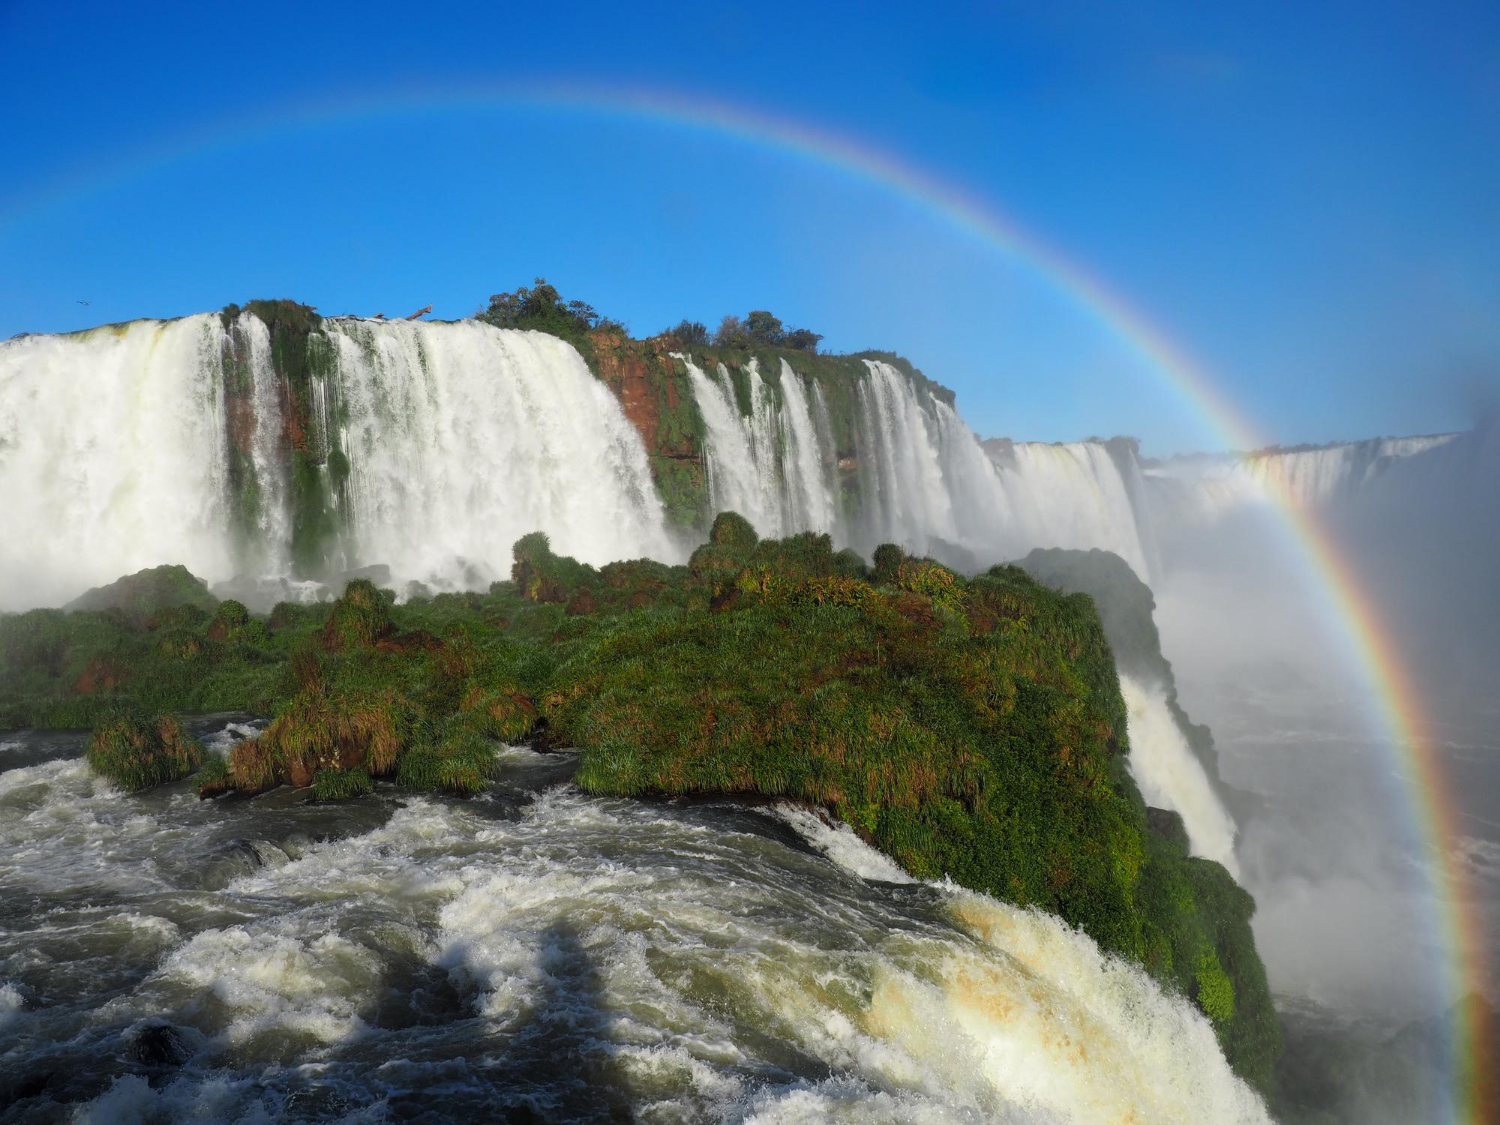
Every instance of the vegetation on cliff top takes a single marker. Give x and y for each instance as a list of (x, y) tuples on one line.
[(972, 729)]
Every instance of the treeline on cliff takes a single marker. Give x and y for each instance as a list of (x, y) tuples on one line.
[(970, 728)]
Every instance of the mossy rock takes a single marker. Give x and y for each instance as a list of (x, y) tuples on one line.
[(146, 593)]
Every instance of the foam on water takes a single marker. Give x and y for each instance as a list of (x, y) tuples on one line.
[(839, 843)]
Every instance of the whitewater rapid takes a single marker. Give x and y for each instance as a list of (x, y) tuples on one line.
[(535, 950)]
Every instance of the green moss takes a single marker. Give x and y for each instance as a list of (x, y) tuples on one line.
[(314, 525), (1214, 991), (138, 753), (683, 488), (302, 359), (1199, 940)]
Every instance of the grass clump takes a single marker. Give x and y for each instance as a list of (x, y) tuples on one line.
[(341, 785), (137, 753), (359, 618), (215, 778), (462, 763)]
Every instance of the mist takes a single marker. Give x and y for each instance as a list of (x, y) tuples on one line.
[(1341, 870)]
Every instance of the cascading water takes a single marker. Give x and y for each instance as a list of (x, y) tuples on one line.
[(769, 465), (1071, 495), (740, 478), (431, 447), (924, 481), (1170, 775), (112, 457), (154, 442), (809, 486), (269, 518), (461, 438), (1203, 489)]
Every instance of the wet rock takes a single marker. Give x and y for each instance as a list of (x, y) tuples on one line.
[(159, 1044)]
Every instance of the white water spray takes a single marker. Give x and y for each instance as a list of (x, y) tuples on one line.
[(112, 457)]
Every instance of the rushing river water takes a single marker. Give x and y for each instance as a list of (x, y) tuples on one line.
[(537, 955)]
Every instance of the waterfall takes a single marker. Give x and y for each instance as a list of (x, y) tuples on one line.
[(1195, 490), (1072, 495), (808, 487), (1170, 776), (266, 492), (924, 480), (461, 438), (428, 447), (112, 457), (736, 481)]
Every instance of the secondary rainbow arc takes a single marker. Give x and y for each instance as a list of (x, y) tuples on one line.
[(1370, 642)]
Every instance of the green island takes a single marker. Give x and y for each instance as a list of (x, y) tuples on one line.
[(971, 728)]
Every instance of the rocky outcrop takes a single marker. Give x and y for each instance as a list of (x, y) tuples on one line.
[(144, 594)]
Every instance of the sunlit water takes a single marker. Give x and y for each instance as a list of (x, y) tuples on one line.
[(535, 954)]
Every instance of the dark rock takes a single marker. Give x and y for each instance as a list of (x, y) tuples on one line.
[(159, 1044)]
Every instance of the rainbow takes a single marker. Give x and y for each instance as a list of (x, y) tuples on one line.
[(1371, 645)]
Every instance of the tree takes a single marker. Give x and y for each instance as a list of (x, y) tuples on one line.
[(803, 339), (691, 333), (732, 333), (764, 328), (541, 307)]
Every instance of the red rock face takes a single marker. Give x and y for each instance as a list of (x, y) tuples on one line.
[(643, 376)]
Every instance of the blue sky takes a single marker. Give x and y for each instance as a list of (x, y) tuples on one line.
[(1303, 197)]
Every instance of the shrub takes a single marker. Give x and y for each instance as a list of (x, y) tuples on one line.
[(541, 308), (887, 559), (730, 529), (689, 333), (230, 621)]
